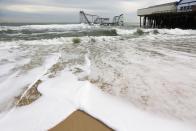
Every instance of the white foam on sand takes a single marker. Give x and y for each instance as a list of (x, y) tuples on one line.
[(12, 85), (64, 94)]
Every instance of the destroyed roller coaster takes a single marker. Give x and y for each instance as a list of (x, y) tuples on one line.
[(95, 19)]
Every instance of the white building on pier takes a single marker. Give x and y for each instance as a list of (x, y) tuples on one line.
[(186, 5)]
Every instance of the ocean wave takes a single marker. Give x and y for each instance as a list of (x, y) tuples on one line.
[(55, 31), (37, 32), (34, 34), (46, 27), (141, 31)]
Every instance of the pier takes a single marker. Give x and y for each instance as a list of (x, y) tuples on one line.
[(180, 14), (95, 19)]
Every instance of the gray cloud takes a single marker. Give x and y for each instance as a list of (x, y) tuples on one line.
[(67, 10)]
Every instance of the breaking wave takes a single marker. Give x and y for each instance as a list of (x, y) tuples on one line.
[(50, 27), (37, 32), (141, 31)]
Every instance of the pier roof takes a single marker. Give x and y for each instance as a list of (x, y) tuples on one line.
[(163, 8)]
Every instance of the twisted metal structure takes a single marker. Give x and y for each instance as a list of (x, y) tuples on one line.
[(87, 18), (95, 19), (118, 20)]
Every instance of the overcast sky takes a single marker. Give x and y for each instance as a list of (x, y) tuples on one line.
[(68, 10)]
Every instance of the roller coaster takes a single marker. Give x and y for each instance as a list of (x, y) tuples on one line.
[(95, 19)]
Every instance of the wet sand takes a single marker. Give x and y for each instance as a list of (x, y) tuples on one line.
[(81, 121)]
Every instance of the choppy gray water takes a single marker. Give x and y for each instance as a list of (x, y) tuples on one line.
[(155, 69)]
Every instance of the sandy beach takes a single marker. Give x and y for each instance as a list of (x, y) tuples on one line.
[(81, 121)]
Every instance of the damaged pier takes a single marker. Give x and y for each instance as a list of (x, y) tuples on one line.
[(180, 14), (95, 19)]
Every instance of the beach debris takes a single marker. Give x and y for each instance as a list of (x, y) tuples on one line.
[(92, 40), (139, 32), (28, 97), (76, 41)]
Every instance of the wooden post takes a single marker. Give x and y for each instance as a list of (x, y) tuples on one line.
[(144, 22), (140, 22)]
